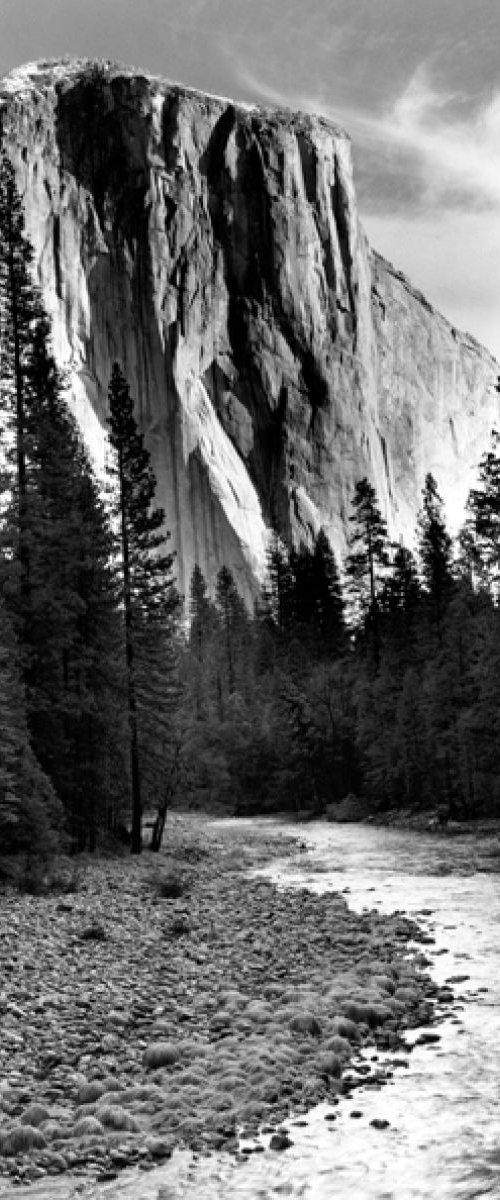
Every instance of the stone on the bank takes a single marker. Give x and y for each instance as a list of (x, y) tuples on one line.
[(366, 1013), (280, 1141), (329, 1063), (346, 1028), (159, 1147), (21, 1139), (339, 1045), (53, 1130), (259, 1011), (384, 983), (34, 1115), (90, 1091), (86, 1126), (406, 995), (160, 1054)]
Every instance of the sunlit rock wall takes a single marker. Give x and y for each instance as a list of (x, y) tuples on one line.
[(215, 251)]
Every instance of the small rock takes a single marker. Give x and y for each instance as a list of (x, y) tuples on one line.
[(160, 1054), (380, 1123), (159, 1147), (280, 1141), (93, 933)]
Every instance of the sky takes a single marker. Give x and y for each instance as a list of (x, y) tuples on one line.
[(415, 83)]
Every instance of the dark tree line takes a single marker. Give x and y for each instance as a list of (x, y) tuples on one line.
[(87, 602), (386, 688)]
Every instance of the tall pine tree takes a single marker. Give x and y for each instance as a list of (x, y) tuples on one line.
[(367, 561), (56, 574), (148, 596), (435, 551)]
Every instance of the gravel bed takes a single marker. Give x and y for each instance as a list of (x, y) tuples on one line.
[(172, 1001)]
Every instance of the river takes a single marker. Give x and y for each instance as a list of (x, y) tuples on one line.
[(443, 1108)]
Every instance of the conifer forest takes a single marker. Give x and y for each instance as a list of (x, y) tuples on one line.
[(375, 680)]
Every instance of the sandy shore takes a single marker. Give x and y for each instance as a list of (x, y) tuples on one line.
[(133, 1021)]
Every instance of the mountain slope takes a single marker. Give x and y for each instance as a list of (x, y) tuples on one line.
[(215, 250)]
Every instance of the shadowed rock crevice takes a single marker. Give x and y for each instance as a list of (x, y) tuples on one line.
[(94, 146)]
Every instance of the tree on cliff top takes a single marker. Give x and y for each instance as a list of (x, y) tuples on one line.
[(149, 600)]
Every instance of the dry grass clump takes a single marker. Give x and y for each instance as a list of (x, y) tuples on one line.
[(21, 1139), (305, 1022), (113, 1116)]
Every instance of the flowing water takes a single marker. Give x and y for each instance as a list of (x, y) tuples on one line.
[(443, 1140)]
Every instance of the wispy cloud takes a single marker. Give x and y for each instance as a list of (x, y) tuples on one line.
[(453, 153)]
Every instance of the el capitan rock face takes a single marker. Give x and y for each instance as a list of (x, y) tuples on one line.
[(215, 250)]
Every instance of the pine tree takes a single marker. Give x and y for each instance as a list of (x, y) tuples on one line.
[(482, 535), (367, 561), (233, 626), (67, 619), (19, 309), (316, 601), (279, 595), (435, 550), (56, 576), (400, 605), (149, 599), (30, 815), (202, 635), (327, 592)]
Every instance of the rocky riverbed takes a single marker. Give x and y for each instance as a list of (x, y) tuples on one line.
[(174, 1000)]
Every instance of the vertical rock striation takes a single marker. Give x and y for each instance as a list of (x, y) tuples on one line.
[(215, 250)]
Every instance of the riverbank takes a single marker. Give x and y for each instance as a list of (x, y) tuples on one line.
[(172, 1001)]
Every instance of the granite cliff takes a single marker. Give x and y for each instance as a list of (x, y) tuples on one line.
[(215, 250)]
